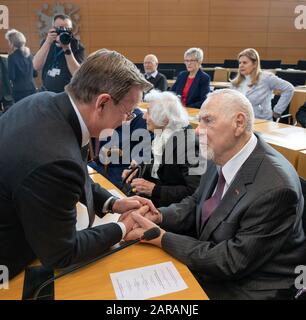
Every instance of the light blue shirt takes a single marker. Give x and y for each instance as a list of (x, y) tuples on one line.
[(261, 93)]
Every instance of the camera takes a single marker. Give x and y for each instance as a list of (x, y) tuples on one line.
[(65, 35)]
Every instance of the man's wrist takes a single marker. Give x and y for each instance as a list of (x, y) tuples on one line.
[(108, 205)]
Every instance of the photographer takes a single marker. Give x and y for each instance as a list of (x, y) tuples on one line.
[(60, 55)]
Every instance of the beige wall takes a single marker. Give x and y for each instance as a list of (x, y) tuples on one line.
[(168, 27)]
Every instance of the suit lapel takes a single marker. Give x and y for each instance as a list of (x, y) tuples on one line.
[(246, 175)]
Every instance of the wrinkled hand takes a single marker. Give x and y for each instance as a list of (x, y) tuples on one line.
[(126, 172), (126, 204), (129, 221), (144, 225), (142, 186), (143, 202)]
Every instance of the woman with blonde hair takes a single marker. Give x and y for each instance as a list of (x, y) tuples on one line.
[(258, 86), (20, 65)]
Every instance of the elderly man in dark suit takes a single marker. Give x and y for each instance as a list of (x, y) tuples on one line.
[(44, 144), (241, 231), (150, 64)]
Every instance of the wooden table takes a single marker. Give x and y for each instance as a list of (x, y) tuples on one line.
[(91, 170), (297, 101), (301, 168), (288, 140), (94, 282)]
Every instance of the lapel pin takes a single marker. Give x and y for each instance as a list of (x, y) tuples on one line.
[(237, 192)]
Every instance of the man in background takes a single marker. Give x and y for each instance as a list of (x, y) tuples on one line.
[(59, 56), (158, 80)]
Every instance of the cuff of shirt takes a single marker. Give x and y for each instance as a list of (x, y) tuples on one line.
[(123, 228)]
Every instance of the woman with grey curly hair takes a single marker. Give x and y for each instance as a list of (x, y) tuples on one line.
[(20, 65), (170, 176)]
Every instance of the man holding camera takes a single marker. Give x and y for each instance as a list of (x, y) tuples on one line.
[(59, 56)]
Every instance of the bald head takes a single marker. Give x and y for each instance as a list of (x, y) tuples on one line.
[(150, 63), (229, 102)]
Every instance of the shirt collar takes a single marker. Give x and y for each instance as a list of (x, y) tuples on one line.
[(154, 74), (84, 129), (231, 168)]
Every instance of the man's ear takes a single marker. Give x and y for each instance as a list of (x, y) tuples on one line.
[(240, 123), (102, 99)]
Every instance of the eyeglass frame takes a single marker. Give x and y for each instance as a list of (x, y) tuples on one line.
[(190, 60), (129, 115)]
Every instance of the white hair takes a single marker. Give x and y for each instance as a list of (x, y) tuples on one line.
[(18, 40), (196, 52), (166, 106), (233, 101)]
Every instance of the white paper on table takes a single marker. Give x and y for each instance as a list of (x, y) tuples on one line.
[(147, 282)]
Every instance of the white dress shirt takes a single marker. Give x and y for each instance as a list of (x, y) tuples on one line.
[(232, 166), (154, 74), (85, 141)]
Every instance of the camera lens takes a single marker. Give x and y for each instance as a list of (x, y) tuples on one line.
[(65, 38)]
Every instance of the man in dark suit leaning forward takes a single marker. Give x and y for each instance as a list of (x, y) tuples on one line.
[(44, 143), (241, 231)]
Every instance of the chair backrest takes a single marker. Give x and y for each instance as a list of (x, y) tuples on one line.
[(211, 74), (296, 78), (270, 64), (228, 63), (232, 75), (301, 65), (169, 73)]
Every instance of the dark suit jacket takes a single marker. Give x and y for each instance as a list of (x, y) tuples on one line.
[(198, 90), (176, 180), (253, 240), (41, 180), (159, 82)]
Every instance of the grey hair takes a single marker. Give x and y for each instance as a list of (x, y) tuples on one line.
[(105, 71), (196, 52), (18, 40), (233, 101), (166, 106)]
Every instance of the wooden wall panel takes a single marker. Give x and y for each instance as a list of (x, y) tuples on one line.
[(222, 28), (258, 8), (235, 23), (179, 7), (184, 23)]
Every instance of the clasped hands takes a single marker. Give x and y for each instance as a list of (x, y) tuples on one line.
[(138, 215)]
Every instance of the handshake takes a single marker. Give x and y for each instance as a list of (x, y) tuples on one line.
[(138, 215)]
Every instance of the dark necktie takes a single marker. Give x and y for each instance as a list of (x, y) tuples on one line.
[(212, 203), (87, 188)]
